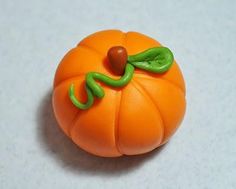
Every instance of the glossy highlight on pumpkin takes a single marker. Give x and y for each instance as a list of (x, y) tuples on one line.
[(131, 120)]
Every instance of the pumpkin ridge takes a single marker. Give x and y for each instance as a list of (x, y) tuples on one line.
[(143, 91), (77, 117), (68, 79), (72, 124), (141, 76), (84, 45), (124, 39), (117, 120), (89, 49)]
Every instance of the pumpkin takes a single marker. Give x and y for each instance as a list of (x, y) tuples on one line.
[(129, 120)]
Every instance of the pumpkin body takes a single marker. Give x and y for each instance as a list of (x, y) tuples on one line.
[(130, 120)]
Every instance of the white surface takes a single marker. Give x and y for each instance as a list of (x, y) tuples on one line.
[(34, 36)]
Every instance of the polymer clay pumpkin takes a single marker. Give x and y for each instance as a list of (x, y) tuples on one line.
[(140, 112)]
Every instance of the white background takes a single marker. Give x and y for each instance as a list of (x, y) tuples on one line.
[(35, 35)]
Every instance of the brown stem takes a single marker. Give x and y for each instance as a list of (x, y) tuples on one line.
[(117, 57)]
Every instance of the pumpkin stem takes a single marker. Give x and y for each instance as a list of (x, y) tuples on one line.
[(117, 57)]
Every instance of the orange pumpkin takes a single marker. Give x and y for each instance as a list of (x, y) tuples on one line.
[(129, 120)]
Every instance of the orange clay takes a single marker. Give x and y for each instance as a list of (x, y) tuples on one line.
[(131, 120)]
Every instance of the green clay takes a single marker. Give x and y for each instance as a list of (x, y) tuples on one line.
[(78, 104), (94, 89), (156, 60), (98, 90)]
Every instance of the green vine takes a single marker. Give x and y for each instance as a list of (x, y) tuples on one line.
[(156, 60)]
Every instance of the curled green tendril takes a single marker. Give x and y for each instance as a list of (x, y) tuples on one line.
[(156, 60), (92, 88), (83, 106)]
